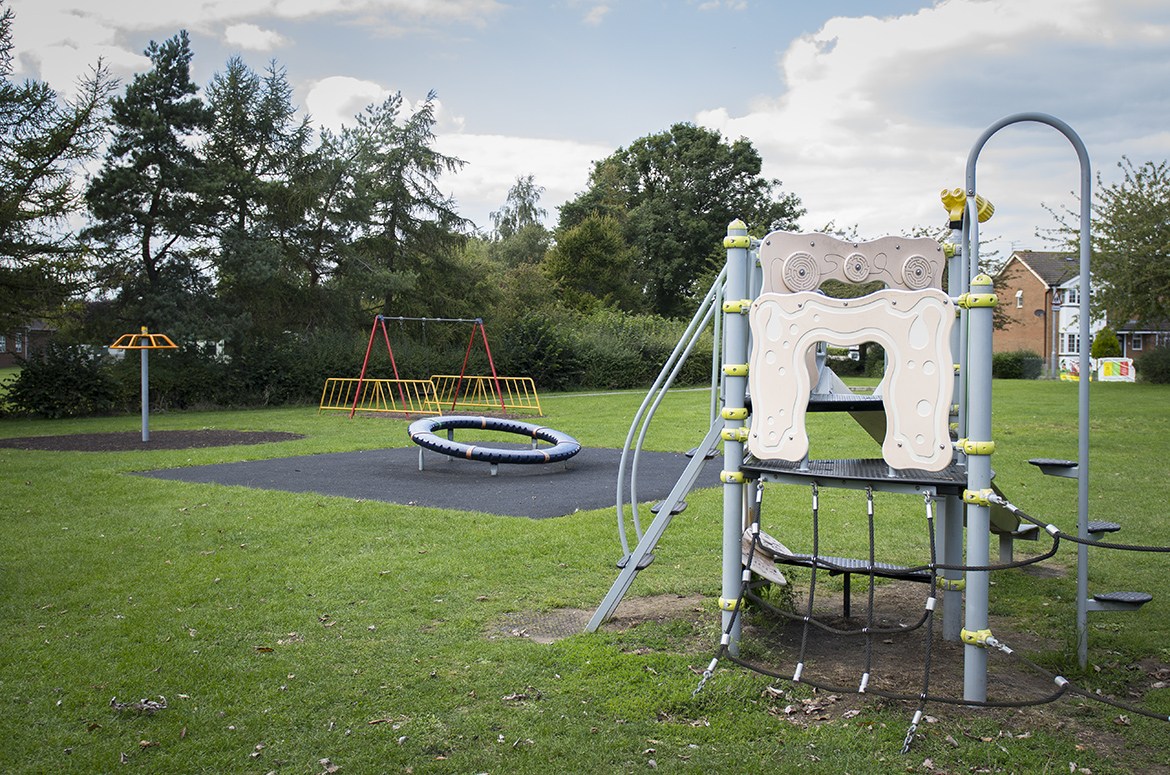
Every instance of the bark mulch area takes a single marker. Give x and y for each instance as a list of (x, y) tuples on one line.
[(129, 441)]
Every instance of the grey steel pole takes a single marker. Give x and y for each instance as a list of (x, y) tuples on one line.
[(145, 341), (978, 447), (735, 356), (1055, 333), (951, 522)]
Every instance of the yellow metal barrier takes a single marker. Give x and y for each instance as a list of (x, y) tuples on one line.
[(411, 396), (455, 393)]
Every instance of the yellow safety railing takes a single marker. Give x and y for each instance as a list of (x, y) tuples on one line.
[(411, 396), (456, 393)]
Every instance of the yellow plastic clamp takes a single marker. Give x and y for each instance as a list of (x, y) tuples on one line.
[(735, 369), (977, 497), (950, 249), (955, 202), (958, 368), (976, 447), (972, 300), (737, 305), (728, 605), (737, 242), (728, 413), (952, 585), (976, 637), (732, 477), (734, 434)]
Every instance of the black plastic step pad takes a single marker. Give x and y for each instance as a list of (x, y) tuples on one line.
[(1136, 598)]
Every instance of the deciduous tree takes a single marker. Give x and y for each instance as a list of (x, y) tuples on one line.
[(1131, 243), (675, 193)]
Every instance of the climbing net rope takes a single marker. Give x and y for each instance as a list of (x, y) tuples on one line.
[(870, 631)]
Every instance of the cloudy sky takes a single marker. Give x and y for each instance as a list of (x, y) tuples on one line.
[(866, 109)]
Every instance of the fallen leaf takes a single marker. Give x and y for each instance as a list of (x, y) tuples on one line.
[(263, 649)]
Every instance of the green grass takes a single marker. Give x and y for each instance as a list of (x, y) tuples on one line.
[(7, 375), (284, 628)]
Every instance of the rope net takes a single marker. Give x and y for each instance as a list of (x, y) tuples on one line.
[(871, 631)]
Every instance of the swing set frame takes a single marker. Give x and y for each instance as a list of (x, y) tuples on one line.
[(477, 326)]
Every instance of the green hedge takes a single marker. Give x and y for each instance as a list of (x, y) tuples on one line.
[(1154, 366), (62, 380), (603, 350), (1017, 364)]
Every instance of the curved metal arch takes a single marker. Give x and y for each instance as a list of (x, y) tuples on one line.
[(971, 253)]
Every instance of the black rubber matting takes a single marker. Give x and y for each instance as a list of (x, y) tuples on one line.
[(586, 481)]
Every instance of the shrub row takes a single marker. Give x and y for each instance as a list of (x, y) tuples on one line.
[(604, 350), (1017, 364), (1154, 366)]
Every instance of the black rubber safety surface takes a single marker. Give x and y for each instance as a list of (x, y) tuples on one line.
[(587, 481)]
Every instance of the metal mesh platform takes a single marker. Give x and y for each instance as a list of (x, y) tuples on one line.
[(866, 472), (844, 402)]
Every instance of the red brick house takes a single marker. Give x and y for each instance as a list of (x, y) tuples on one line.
[(22, 341), (1137, 339), (1026, 286)]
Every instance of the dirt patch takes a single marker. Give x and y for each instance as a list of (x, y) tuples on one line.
[(130, 441), (895, 662)]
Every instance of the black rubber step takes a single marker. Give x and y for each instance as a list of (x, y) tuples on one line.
[(679, 507), (1130, 598), (645, 563), (1098, 526), (1054, 467)]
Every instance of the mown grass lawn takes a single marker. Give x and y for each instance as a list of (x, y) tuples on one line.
[(286, 629)]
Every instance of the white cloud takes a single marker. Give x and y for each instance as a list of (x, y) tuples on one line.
[(252, 38), (596, 15), (334, 101), (879, 114), (56, 40), (494, 162)]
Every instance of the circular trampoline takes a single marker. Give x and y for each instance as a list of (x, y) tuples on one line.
[(422, 432)]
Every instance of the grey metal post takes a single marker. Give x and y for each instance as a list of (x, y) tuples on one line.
[(735, 357), (978, 448), (145, 385), (951, 517), (1055, 333)]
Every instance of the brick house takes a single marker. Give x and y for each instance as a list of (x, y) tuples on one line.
[(1137, 339), (22, 341), (1028, 285)]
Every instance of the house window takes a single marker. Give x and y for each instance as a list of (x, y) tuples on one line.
[(1020, 299), (1135, 341), (1072, 344), (18, 343), (3, 344)]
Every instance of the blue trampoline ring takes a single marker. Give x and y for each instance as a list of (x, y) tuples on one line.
[(422, 432)]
